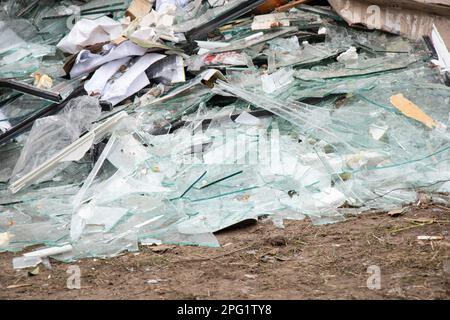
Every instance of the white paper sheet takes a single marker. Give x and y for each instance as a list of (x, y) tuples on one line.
[(132, 80), (97, 83), (139, 83), (87, 62), (88, 32), (162, 5), (168, 71)]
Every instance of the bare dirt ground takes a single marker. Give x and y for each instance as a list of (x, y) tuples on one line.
[(260, 261)]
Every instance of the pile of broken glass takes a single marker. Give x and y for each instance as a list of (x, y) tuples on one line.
[(162, 137)]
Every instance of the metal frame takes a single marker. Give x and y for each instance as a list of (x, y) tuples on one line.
[(29, 89), (202, 31)]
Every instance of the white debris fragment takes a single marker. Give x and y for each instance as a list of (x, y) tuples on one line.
[(153, 281), (322, 30), (254, 36), (150, 242), (52, 251), (351, 55), (248, 119), (430, 238), (25, 262), (277, 80), (378, 132)]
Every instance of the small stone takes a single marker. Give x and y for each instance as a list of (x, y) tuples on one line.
[(152, 281), (278, 241)]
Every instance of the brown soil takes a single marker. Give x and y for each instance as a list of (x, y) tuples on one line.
[(260, 261)]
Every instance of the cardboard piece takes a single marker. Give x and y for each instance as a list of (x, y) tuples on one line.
[(138, 9), (410, 18), (412, 111)]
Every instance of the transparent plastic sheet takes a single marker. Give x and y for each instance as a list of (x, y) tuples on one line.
[(52, 134)]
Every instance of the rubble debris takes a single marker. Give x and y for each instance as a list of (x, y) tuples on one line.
[(163, 122), (348, 56), (42, 81), (396, 212), (33, 272)]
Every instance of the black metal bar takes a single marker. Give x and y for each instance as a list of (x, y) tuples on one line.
[(48, 111), (28, 8), (26, 88), (28, 123), (202, 31), (430, 47)]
